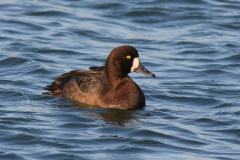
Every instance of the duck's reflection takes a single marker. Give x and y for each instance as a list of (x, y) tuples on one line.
[(119, 117), (110, 116)]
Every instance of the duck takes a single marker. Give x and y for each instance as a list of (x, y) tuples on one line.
[(107, 86)]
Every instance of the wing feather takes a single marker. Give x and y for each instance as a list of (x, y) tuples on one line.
[(92, 81)]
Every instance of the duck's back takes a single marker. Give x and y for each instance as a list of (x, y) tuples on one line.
[(79, 85)]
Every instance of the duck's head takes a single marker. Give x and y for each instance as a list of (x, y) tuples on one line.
[(123, 60)]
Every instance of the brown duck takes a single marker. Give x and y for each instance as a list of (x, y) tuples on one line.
[(107, 86)]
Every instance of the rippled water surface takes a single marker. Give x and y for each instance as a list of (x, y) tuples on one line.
[(193, 106)]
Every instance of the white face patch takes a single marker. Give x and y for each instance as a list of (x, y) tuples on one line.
[(135, 64)]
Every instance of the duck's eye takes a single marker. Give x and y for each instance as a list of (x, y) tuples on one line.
[(128, 57)]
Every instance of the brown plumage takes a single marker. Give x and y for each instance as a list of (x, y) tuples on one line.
[(107, 86)]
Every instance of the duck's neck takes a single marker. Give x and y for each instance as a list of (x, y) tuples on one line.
[(116, 78)]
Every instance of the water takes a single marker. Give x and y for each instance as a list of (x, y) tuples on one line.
[(193, 107)]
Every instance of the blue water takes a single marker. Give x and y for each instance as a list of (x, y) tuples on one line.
[(193, 106)]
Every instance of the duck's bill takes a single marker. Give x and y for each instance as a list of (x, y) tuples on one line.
[(142, 70)]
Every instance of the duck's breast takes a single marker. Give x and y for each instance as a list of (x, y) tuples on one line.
[(129, 96)]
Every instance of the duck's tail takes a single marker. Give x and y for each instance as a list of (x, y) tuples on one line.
[(55, 88)]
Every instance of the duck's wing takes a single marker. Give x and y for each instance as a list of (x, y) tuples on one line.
[(92, 80)]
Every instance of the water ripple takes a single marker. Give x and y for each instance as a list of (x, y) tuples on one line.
[(193, 104)]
